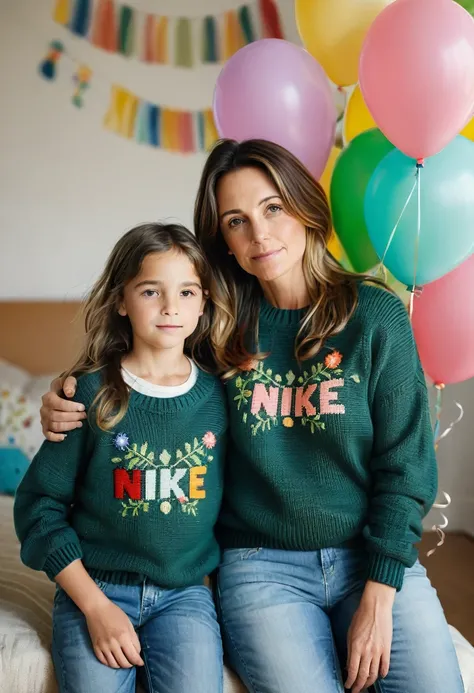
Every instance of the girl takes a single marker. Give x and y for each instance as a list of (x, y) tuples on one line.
[(121, 515)]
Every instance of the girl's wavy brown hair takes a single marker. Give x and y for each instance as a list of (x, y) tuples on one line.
[(109, 335), (236, 294)]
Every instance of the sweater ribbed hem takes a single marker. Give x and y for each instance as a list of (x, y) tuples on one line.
[(119, 577), (386, 570), (122, 570), (309, 532), (61, 558), (242, 540)]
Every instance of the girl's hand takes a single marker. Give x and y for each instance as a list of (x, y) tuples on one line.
[(57, 414), (369, 640), (114, 639)]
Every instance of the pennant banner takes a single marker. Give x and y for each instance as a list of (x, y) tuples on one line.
[(135, 118), (158, 126), (180, 41)]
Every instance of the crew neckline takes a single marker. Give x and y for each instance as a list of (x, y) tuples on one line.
[(281, 316), (144, 387), (202, 389)]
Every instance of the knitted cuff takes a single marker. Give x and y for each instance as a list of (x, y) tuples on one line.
[(386, 570), (61, 558)]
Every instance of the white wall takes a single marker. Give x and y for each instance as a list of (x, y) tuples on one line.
[(68, 187), (456, 459)]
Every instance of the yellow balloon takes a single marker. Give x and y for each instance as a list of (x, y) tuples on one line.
[(333, 31), (469, 130), (326, 176), (357, 118), (334, 245)]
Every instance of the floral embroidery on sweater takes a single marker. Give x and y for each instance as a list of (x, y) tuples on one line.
[(268, 398), (144, 478)]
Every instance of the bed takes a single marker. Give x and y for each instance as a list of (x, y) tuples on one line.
[(26, 599), (43, 338)]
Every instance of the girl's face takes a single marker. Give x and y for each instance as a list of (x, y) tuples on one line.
[(266, 241), (164, 301)]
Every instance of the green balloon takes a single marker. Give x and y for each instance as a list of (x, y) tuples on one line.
[(468, 5), (351, 176)]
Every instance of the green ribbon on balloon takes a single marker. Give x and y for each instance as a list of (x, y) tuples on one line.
[(352, 173)]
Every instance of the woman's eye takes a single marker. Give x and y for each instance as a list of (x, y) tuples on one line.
[(233, 223), (274, 209)]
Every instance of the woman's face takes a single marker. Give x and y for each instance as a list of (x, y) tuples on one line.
[(266, 241)]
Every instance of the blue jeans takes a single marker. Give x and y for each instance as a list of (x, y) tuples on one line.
[(285, 616), (178, 632)]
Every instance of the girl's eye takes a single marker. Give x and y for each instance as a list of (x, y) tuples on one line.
[(150, 292), (187, 292)]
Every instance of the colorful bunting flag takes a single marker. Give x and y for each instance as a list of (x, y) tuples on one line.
[(137, 119), (210, 50), (62, 12), (183, 43), (126, 31), (81, 18), (170, 129), (112, 26)]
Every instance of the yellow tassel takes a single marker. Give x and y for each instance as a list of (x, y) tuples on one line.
[(161, 40), (170, 130), (165, 129), (122, 112), (233, 36), (62, 12), (210, 132)]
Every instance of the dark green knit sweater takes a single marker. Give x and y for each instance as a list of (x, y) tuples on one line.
[(139, 502), (337, 449)]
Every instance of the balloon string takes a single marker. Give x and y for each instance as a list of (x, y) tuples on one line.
[(413, 288), (439, 529), (392, 235), (438, 409), (448, 430), (381, 266)]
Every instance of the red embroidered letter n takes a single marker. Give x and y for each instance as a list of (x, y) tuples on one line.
[(128, 482)]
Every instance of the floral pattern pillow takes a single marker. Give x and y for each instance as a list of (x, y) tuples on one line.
[(20, 425)]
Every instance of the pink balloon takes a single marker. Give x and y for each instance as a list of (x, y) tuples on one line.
[(416, 73), (443, 323), (274, 90)]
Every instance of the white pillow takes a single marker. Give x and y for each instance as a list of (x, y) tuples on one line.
[(38, 385), (13, 376)]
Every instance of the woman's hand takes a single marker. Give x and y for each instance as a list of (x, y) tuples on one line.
[(57, 414), (113, 637), (369, 640)]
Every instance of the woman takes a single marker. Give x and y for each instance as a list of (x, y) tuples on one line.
[(331, 465)]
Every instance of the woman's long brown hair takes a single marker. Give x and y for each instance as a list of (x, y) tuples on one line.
[(109, 336), (236, 294)]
